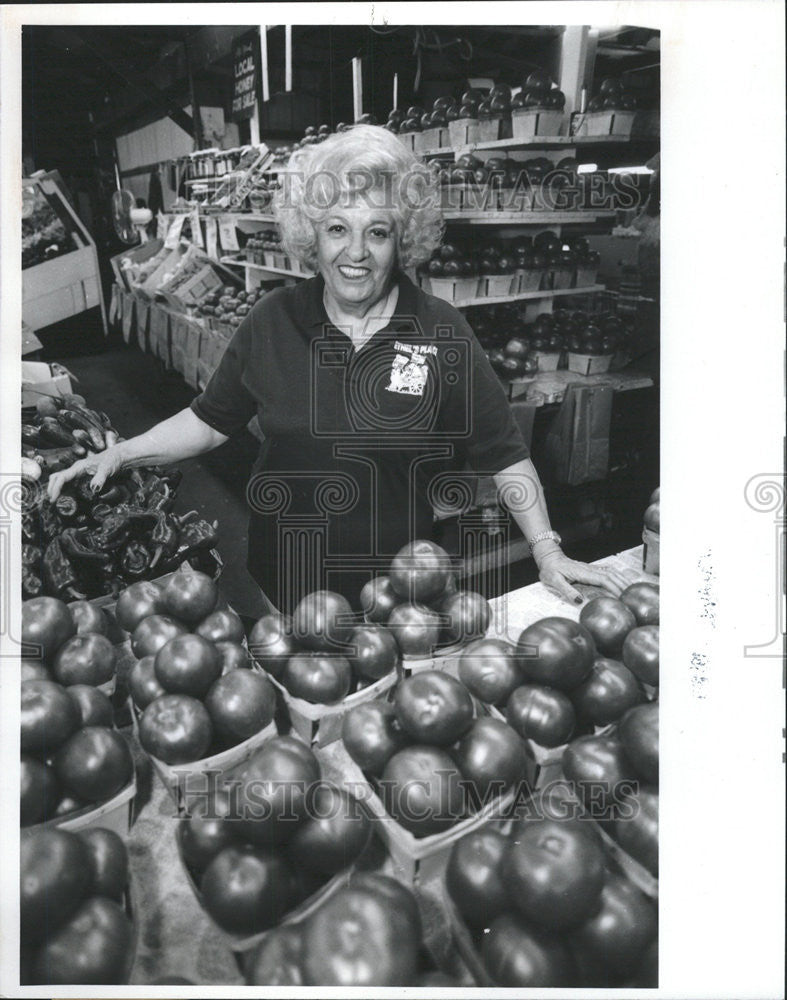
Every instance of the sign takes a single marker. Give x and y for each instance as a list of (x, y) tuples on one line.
[(211, 237), (228, 235), (244, 86)]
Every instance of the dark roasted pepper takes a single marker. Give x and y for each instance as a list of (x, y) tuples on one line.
[(31, 556), (31, 585), (165, 538), (60, 575), (194, 536), (66, 506), (135, 560), (78, 543), (53, 434)]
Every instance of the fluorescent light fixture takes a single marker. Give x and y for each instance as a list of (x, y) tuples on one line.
[(629, 170), (587, 168)]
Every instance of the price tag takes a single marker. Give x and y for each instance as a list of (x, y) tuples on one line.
[(228, 234), (211, 237), (161, 226), (196, 229), (173, 234)]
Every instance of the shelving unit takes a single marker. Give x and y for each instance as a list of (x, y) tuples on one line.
[(543, 219), (536, 142), (489, 300)]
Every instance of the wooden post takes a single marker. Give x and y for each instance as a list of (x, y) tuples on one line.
[(288, 57), (573, 64), (266, 94), (357, 89)]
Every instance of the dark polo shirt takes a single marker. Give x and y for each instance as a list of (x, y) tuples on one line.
[(358, 443)]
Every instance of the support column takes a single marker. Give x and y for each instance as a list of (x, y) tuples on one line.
[(577, 55)]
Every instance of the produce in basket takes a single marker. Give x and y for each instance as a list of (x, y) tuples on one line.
[(74, 929)]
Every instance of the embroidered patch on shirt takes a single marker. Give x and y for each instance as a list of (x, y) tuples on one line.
[(408, 374)]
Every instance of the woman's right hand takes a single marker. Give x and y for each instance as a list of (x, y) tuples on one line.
[(100, 467)]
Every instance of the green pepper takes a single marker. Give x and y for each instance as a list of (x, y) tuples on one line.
[(60, 575)]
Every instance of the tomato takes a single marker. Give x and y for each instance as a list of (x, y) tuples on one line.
[(143, 685), (154, 632), (278, 958), (139, 600), (39, 791), (491, 757), (358, 938), (653, 517), (372, 735), (647, 974), (433, 707), (421, 788), (639, 834), (84, 659), (468, 616), (609, 621), (94, 763), (375, 652), (93, 947), (175, 728), (337, 831), (189, 595), (109, 861), (240, 704), (34, 670), (600, 771), (221, 626), (378, 599), (88, 618), (398, 896), (541, 714), (271, 643), (46, 624), (614, 939), (557, 652), (655, 496), (49, 717), (232, 656), (473, 876), (272, 793), (420, 571), (69, 804), (609, 691), (322, 621), (54, 878), (639, 734), (641, 653), (187, 664), (205, 830), (554, 874), (516, 954), (318, 678), (416, 628), (247, 889), (95, 709), (643, 600), (488, 668)]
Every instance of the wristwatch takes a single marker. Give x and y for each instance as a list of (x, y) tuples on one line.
[(544, 536)]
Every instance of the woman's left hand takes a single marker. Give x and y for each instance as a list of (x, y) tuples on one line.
[(558, 572)]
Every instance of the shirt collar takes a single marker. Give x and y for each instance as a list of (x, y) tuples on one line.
[(311, 307)]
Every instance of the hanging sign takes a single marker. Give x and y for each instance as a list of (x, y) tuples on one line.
[(211, 237), (173, 234), (244, 87), (196, 229)]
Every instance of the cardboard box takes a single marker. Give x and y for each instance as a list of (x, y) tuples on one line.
[(134, 255), (41, 379), (526, 123), (463, 132), (454, 289)]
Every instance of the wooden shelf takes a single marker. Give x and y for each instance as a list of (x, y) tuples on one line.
[(488, 300), (251, 266), (536, 142), (492, 218)]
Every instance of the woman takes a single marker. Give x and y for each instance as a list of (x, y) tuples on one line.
[(372, 395)]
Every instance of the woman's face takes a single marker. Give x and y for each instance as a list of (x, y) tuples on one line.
[(356, 254)]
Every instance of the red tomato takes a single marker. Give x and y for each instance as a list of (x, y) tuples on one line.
[(609, 692), (139, 600), (653, 517), (541, 714), (205, 830), (88, 618), (433, 707), (94, 763), (221, 626), (93, 947), (416, 628), (49, 717), (240, 704), (54, 878), (492, 758), (39, 791), (639, 734), (189, 595), (374, 651), (232, 656), (187, 664), (488, 668), (271, 643), (468, 616), (609, 621), (143, 685), (554, 874), (473, 876), (420, 571), (641, 653), (358, 938), (517, 954), (337, 831), (84, 659), (34, 670), (643, 600), (154, 632), (378, 599), (639, 834), (556, 652), (247, 889), (421, 788), (176, 728), (372, 735), (46, 624), (322, 679), (322, 621), (95, 709), (109, 862), (278, 958), (600, 771)]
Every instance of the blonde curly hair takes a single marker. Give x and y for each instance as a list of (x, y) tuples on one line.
[(342, 170)]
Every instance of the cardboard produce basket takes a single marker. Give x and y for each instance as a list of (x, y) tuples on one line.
[(527, 123), (497, 284), (530, 279), (40, 379), (548, 361), (115, 814), (407, 139), (589, 364), (650, 551), (631, 868), (463, 132), (492, 129), (455, 289)]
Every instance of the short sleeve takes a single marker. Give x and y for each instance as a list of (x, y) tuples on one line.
[(226, 404)]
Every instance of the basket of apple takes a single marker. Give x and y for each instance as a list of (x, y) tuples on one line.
[(546, 343), (452, 274), (515, 362), (538, 108), (463, 118), (410, 127), (610, 112), (434, 126), (494, 114), (590, 351), (498, 272), (650, 535)]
